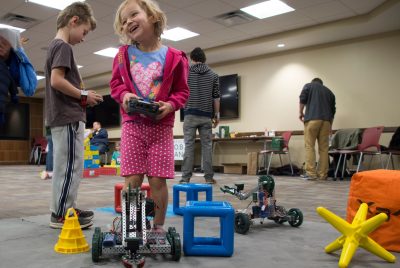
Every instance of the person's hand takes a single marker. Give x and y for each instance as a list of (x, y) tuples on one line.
[(127, 98), (5, 48), (93, 98), (165, 108), (215, 122), (301, 117)]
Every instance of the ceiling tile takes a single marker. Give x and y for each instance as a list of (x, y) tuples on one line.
[(225, 34), (210, 8), (362, 7), (205, 26), (296, 4), (181, 18), (179, 3), (329, 9), (102, 10)]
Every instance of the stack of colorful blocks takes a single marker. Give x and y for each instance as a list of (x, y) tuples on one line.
[(91, 161)]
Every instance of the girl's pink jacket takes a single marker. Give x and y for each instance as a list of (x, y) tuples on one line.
[(174, 88)]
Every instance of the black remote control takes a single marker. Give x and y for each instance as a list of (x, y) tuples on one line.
[(149, 109)]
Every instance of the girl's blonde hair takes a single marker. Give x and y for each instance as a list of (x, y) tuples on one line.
[(151, 8)]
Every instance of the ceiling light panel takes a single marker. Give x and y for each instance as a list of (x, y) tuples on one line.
[(267, 9), (57, 4), (177, 34), (107, 52)]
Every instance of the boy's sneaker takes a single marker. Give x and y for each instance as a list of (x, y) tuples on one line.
[(57, 222), (308, 178), (184, 181), (85, 214), (211, 181), (44, 175)]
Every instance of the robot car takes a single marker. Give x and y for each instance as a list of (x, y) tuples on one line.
[(263, 196), (131, 235)]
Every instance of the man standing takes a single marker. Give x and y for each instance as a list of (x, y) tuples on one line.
[(202, 113), (320, 106), (99, 137)]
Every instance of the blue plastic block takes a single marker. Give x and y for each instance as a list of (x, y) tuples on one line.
[(192, 194), (208, 246), (94, 148)]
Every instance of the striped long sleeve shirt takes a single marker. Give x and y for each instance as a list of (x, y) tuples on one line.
[(204, 89)]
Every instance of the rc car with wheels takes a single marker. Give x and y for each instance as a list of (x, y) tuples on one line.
[(263, 198), (131, 235)]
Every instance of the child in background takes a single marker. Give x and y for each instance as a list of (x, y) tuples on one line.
[(116, 156), (65, 109), (144, 68), (48, 173)]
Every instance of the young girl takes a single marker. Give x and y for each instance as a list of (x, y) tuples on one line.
[(144, 68)]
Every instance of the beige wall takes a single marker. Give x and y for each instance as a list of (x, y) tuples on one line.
[(363, 74)]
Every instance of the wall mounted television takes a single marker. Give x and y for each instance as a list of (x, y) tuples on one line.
[(16, 126), (107, 113), (229, 88)]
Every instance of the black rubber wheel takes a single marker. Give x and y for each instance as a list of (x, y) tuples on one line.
[(97, 241), (296, 217), (242, 223), (176, 246), (171, 230)]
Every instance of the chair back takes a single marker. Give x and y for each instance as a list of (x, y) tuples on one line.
[(43, 144), (286, 138), (370, 138)]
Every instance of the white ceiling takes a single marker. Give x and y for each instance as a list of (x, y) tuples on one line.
[(313, 22)]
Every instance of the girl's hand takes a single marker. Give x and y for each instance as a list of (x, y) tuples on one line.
[(126, 99), (165, 108)]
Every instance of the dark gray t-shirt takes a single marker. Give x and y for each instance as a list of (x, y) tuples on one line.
[(60, 108), (320, 102)]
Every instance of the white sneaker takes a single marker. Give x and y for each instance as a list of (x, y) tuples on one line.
[(44, 175)]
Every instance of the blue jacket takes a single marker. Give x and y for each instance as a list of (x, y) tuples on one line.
[(100, 137)]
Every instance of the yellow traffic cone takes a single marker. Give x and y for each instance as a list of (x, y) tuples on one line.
[(71, 240)]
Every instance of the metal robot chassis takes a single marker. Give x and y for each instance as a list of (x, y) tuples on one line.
[(133, 239), (263, 197)]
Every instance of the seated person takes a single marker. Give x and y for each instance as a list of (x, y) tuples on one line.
[(99, 137), (116, 156)]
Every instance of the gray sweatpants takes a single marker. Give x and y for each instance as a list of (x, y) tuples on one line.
[(68, 166), (191, 124)]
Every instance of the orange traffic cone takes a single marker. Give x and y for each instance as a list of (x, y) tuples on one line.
[(71, 240)]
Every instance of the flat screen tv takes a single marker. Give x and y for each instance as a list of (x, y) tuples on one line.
[(107, 113), (229, 87), (229, 101), (16, 126)]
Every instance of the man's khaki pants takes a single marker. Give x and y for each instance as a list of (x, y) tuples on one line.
[(317, 130)]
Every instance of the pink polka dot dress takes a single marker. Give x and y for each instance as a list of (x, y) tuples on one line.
[(147, 148)]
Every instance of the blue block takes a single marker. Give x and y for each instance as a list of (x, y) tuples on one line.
[(94, 148), (192, 194), (208, 246)]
